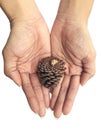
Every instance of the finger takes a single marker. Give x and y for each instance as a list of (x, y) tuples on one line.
[(73, 88), (29, 92), (88, 72), (46, 95), (39, 94), (61, 97), (55, 92)]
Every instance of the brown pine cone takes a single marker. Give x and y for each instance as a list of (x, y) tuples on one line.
[(50, 70)]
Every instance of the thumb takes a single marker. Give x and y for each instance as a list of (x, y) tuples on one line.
[(84, 78), (88, 72), (10, 70), (13, 74)]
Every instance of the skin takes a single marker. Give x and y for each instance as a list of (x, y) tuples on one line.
[(30, 41), (71, 42)]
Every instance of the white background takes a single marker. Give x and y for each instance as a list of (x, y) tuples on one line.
[(86, 114)]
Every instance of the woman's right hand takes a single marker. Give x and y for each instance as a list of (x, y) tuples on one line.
[(28, 42)]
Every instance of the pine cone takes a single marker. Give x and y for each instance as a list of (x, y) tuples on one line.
[(50, 70)]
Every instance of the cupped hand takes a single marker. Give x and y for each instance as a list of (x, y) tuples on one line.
[(28, 42), (71, 42)]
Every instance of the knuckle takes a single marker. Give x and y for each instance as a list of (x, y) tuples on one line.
[(41, 100), (27, 85), (73, 87), (69, 100), (31, 97), (37, 89), (59, 102), (54, 95), (63, 89)]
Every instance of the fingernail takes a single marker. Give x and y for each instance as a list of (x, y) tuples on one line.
[(47, 105), (42, 113), (82, 84), (52, 108), (57, 116)]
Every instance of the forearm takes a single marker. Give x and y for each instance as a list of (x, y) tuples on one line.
[(75, 9), (19, 8)]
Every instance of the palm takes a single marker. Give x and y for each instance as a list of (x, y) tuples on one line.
[(72, 44), (26, 45)]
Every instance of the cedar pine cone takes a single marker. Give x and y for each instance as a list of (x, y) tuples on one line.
[(50, 70)]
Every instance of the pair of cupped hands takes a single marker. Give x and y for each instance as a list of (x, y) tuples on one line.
[(30, 41)]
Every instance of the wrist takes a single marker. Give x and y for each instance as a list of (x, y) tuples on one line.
[(75, 10), (70, 19), (20, 9)]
